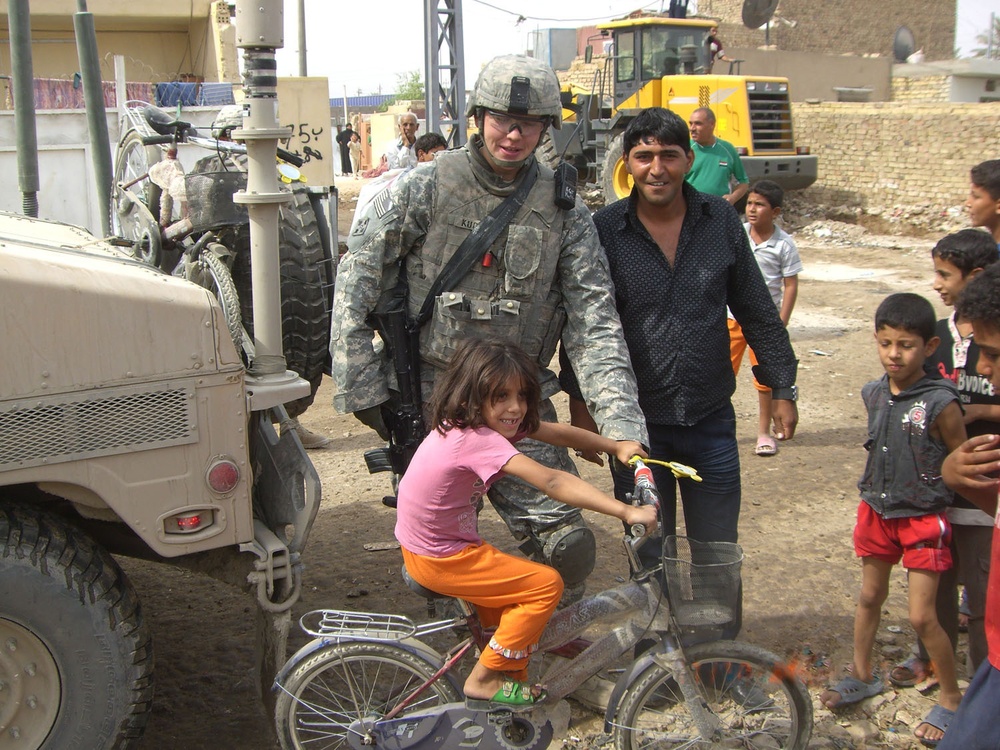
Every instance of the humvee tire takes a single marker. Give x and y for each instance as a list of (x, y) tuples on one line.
[(76, 659)]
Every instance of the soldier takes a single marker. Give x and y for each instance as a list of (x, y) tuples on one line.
[(543, 278)]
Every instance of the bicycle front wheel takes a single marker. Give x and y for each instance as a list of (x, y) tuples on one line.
[(757, 701), (336, 685)]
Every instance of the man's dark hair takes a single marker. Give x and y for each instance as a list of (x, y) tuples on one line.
[(908, 312), (987, 176), (429, 141), (967, 249), (979, 302), (770, 191), (656, 124)]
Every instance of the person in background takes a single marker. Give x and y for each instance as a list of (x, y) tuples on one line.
[(402, 152), (715, 50), (780, 265), (972, 470), (426, 147), (983, 203), (343, 142), (717, 168), (355, 148)]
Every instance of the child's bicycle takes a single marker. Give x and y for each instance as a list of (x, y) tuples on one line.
[(368, 680)]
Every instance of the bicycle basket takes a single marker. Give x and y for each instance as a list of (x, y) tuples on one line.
[(210, 199), (703, 583)]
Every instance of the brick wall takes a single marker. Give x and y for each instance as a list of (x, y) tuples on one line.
[(843, 26), (923, 89), (582, 73), (888, 154)]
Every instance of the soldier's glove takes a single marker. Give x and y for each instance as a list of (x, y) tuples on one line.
[(372, 417)]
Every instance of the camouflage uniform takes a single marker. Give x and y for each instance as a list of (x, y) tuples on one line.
[(547, 278)]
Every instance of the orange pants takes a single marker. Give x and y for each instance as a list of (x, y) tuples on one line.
[(515, 595), (738, 345)]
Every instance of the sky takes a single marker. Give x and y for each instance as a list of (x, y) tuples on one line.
[(371, 55)]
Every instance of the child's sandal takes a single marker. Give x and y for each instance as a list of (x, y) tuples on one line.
[(512, 696)]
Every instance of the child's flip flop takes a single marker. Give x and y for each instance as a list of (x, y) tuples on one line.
[(908, 673), (512, 696), (852, 690), (938, 717), (766, 447)]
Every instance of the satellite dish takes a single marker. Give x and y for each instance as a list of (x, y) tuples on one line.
[(903, 44), (756, 13)]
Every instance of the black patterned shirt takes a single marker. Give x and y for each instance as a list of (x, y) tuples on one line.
[(675, 318)]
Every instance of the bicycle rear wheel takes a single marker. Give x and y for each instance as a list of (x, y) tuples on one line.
[(135, 201), (757, 701), (341, 683)]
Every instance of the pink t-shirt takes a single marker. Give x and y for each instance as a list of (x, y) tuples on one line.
[(440, 492), (992, 619)]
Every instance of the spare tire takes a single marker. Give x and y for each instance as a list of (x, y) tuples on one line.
[(305, 277)]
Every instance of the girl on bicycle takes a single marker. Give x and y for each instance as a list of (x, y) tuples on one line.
[(485, 402)]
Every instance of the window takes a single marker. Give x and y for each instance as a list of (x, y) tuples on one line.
[(625, 56), (665, 50)]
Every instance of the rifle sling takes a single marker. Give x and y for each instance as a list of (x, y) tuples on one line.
[(473, 247)]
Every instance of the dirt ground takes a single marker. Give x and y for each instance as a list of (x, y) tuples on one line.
[(800, 575)]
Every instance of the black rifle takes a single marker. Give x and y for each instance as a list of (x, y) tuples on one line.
[(403, 415)]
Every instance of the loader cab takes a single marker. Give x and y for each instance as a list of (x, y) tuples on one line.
[(645, 50)]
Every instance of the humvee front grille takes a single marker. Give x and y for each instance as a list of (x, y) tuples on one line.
[(69, 429)]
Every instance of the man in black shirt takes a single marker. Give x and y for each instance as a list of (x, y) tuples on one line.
[(678, 258)]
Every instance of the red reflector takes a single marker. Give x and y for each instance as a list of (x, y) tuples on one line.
[(742, 151), (189, 523), (802, 150), (223, 476)]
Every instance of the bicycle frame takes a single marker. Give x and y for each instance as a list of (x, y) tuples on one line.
[(639, 608)]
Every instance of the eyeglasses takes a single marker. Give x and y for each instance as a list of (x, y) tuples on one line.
[(504, 123)]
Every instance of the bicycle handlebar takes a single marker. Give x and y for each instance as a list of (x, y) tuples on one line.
[(212, 144), (645, 492), (157, 140)]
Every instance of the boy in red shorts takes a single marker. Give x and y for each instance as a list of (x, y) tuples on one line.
[(972, 470), (913, 422)]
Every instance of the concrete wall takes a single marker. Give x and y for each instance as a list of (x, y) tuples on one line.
[(843, 26), (160, 41), (896, 153), (810, 75), (814, 75), (68, 187)]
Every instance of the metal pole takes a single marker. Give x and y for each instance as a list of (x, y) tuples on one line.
[(97, 119), (990, 34), (24, 105), (302, 38), (259, 33)]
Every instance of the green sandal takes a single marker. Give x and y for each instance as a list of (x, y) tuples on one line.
[(512, 696)]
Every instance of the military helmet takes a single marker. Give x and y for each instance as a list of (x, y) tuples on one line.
[(229, 118), (517, 85)]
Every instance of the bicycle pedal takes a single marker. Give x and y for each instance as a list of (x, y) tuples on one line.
[(499, 717)]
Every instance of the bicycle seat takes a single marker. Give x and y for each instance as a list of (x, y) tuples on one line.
[(163, 123), (416, 588)]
